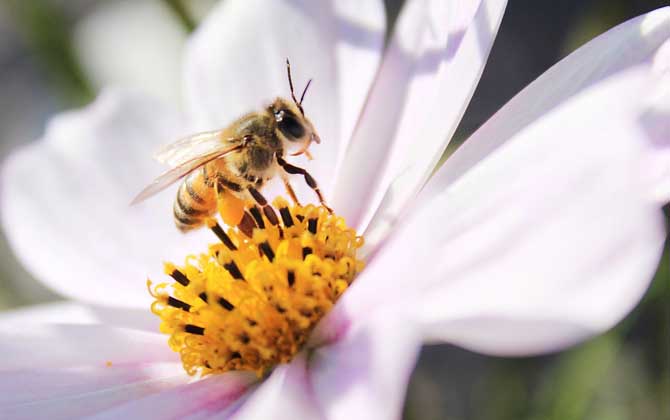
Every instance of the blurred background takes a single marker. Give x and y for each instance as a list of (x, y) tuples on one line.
[(55, 55)]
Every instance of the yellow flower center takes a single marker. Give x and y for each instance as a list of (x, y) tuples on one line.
[(250, 303)]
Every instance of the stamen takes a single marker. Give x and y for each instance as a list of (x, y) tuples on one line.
[(251, 301), (180, 277), (311, 225), (176, 303), (286, 216), (233, 270), (267, 250), (194, 329), (218, 231), (290, 278), (226, 305)]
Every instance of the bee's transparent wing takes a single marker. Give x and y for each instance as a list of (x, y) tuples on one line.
[(191, 147), (175, 174)]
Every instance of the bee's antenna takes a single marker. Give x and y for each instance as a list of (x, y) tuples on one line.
[(290, 84), (309, 82)]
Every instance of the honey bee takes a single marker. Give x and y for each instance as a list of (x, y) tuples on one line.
[(224, 168)]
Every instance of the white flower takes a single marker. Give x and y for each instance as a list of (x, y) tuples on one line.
[(543, 229)]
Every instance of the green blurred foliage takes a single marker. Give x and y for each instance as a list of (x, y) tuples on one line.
[(46, 32)]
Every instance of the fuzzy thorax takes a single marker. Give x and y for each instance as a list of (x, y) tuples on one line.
[(251, 303)]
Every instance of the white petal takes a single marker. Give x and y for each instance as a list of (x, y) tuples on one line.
[(134, 45), (65, 202), (625, 46), (67, 393), (428, 75), (656, 121), (70, 345), (236, 64), (78, 313), (285, 394), (48, 313), (551, 238), (205, 398), (364, 373)]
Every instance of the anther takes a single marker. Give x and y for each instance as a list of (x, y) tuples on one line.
[(290, 277), (194, 329), (180, 277), (306, 251), (223, 236), (226, 304), (234, 270), (286, 216), (176, 303), (311, 225), (203, 296), (267, 250)]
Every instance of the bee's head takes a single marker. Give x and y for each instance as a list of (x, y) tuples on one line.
[(294, 129)]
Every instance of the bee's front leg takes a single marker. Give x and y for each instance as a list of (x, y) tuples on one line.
[(295, 170), (290, 191)]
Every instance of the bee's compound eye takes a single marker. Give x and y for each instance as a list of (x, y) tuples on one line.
[(291, 128)]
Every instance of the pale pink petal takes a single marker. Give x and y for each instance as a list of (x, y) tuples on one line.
[(364, 373), (78, 313), (285, 394), (625, 46), (656, 121), (235, 64), (210, 397), (67, 393), (549, 239), (65, 202), (69, 345), (48, 313), (429, 73)]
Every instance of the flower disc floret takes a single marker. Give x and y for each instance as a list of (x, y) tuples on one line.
[(250, 303)]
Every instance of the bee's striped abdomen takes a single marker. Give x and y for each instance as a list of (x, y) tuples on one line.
[(195, 201)]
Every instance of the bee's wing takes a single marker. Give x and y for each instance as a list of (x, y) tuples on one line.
[(191, 147), (186, 167)]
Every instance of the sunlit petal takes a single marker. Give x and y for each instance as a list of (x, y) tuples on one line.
[(285, 394), (210, 397), (67, 393), (429, 73), (551, 238), (364, 373), (65, 206)]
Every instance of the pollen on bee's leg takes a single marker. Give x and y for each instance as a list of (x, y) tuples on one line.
[(251, 300)]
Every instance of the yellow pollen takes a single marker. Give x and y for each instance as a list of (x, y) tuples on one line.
[(251, 303)]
